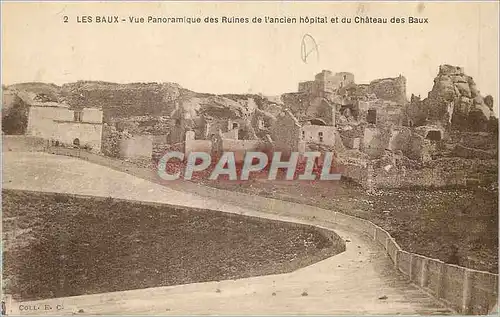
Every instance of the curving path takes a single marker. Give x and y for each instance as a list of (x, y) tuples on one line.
[(349, 283)]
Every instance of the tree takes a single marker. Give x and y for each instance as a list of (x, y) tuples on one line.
[(15, 119)]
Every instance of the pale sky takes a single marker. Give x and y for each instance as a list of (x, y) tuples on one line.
[(241, 58)]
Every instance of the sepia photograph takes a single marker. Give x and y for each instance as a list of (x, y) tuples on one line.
[(249, 158)]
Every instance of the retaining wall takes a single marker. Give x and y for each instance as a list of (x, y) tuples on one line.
[(465, 290)]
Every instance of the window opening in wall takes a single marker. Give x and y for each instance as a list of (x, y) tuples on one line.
[(235, 125), (320, 134), (303, 135), (77, 116), (261, 124), (371, 117), (434, 135)]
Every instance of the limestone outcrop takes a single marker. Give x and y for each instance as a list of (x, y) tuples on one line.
[(454, 102)]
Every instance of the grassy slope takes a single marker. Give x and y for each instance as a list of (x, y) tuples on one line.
[(66, 246)]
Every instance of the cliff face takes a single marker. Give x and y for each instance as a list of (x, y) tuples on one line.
[(454, 102)]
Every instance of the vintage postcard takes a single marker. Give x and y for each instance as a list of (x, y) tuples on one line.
[(250, 158)]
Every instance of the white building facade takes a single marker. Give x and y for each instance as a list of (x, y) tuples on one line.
[(57, 122)]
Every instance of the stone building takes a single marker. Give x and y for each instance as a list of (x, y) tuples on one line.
[(59, 122), (316, 132), (326, 83)]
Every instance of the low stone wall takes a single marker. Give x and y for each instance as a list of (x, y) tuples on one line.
[(138, 146), (466, 152), (240, 147), (475, 140), (465, 290), (198, 146), (437, 173)]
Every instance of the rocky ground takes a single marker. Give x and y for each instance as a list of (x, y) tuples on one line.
[(430, 222), (57, 245)]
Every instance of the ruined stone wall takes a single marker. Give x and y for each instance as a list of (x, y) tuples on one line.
[(375, 141), (306, 86), (177, 133), (393, 89), (89, 135), (320, 108), (160, 145), (192, 145), (354, 170), (415, 113), (92, 115), (466, 152), (326, 82), (475, 140), (343, 79), (138, 146), (439, 173), (399, 139), (312, 133), (213, 127), (323, 83), (41, 120), (286, 133), (240, 147), (232, 134), (418, 148), (110, 141), (387, 113), (297, 103)]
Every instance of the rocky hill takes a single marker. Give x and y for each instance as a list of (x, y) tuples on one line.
[(454, 102), (137, 99), (51, 91)]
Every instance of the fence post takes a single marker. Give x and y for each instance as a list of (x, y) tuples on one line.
[(375, 233), (410, 266), (467, 291), (425, 273), (440, 283), (386, 243)]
